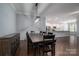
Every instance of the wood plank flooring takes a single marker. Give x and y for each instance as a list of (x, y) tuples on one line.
[(63, 47), (22, 50)]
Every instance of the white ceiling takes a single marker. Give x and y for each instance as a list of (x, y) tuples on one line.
[(23, 8), (58, 12), (52, 11), (27, 8), (57, 9)]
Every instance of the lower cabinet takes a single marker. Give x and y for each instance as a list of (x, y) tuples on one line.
[(9, 44)]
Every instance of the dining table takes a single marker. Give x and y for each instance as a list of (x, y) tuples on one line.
[(37, 40)]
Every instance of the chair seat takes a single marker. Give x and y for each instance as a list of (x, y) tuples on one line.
[(47, 50)]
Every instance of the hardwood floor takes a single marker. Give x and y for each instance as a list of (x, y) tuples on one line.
[(22, 50), (61, 45), (65, 46)]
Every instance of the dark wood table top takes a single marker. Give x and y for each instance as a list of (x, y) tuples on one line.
[(38, 38)]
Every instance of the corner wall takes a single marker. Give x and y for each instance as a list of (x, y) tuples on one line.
[(7, 19)]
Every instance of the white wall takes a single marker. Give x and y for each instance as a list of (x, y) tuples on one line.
[(78, 25), (43, 24), (7, 19), (39, 26), (22, 22), (25, 23)]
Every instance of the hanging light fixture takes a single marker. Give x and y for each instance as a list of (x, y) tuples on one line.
[(37, 17)]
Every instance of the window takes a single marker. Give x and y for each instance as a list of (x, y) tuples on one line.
[(72, 27)]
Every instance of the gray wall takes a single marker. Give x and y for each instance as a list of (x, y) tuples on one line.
[(7, 19)]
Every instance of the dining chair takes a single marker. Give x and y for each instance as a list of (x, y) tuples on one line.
[(49, 47), (50, 33)]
